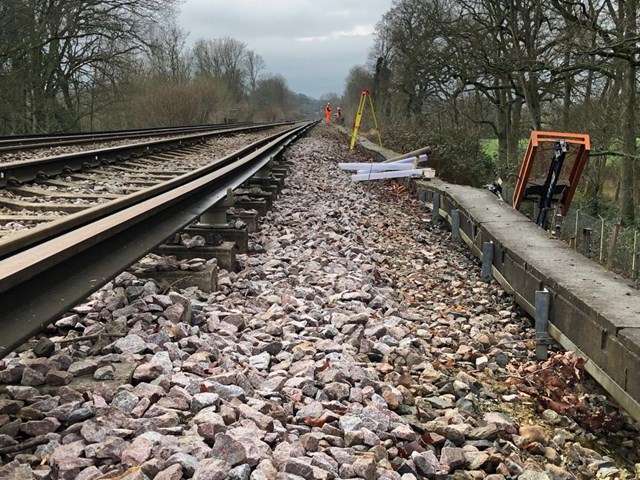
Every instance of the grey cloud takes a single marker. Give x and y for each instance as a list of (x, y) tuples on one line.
[(274, 28)]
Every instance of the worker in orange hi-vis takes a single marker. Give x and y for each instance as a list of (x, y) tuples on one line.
[(327, 113)]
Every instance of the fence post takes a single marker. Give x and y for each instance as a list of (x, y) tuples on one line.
[(552, 221), (455, 225), (601, 239), (586, 242), (612, 246), (487, 261)]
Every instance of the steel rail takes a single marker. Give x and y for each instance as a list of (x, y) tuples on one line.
[(28, 170), (25, 142), (22, 240), (43, 282)]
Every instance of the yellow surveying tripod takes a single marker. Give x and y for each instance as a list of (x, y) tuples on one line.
[(356, 126)]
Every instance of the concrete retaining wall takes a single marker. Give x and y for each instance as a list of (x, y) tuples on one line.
[(592, 311)]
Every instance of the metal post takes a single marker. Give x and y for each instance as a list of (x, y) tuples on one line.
[(586, 242), (612, 246), (455, 225), (264, 172), (557, 222), (487, 261), (575, 232), (422, 195), (552, 223), (542, 301), (634, 260), (435, 215)]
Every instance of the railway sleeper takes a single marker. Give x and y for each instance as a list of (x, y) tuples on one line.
[(206, 280), (16, 204), (223, 232), (250, 217), (272, 185), (106, 179), (4, 219), (260, 205), (42, 192), (225, 253)]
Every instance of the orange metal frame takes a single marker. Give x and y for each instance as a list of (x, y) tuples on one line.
[(538, 137)]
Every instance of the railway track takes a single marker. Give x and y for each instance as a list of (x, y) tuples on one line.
[(34, 194), (20, 143), (126, 201)]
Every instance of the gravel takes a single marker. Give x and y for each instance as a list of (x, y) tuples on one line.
[(355, 342)]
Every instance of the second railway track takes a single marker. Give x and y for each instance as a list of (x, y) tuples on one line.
[(82, 180), (15, 146)]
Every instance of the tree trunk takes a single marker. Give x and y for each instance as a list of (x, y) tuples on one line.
[(627, 215), (514, 133), (566, 104), (629, 89), (502, 120), (531, 96)]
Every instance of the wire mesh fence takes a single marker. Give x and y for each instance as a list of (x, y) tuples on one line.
[(594, 237), (603, 241)]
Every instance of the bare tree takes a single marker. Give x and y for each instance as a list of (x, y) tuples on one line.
[(273, 99), (614, 29), (222, 58), (254, 65), (168, 55), (59, 48)]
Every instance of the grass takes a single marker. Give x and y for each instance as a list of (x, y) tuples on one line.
[(490, 147)]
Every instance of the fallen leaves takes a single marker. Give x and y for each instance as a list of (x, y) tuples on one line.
[(555, 385)]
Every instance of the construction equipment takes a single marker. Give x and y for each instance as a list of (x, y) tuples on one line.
[(550, 172), (356, 125)]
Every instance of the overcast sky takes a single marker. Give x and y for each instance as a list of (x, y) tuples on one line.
[(312, 44)]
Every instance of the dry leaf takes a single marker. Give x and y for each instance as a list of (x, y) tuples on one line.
[(314, 422), (325, 365)]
